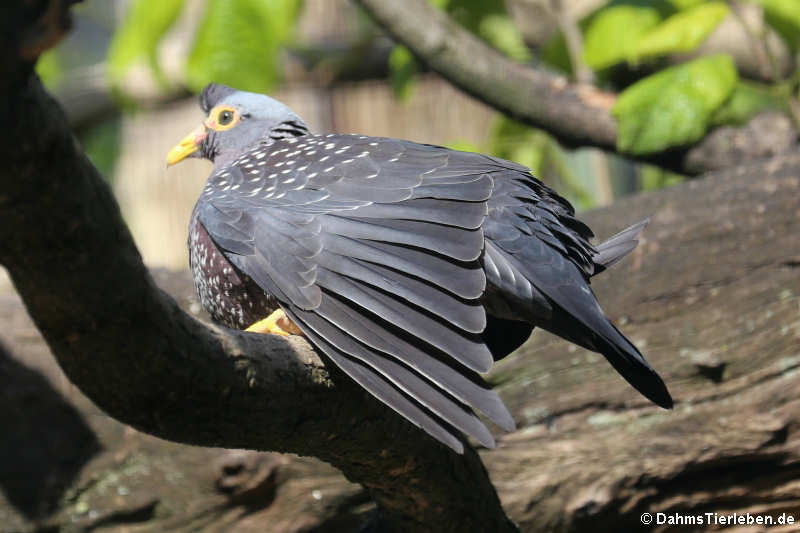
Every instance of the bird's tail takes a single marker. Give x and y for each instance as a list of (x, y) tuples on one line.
[(618, 246), (631, 364), (592, 330)]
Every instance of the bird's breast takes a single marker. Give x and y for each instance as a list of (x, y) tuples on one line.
[(227, 294)]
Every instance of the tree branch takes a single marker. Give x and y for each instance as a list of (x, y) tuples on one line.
[(577, 114), (710, 294), (131, 350)]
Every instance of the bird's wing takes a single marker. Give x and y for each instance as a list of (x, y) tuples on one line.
[(372, 247), (532, 237)]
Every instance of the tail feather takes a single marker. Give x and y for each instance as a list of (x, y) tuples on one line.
[(592, 330), (631, 364), (618, 246), (568, 308)]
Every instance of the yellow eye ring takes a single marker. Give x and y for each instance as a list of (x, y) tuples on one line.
[(223, 118)]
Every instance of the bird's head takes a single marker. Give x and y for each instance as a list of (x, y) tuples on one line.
[(235, 121)]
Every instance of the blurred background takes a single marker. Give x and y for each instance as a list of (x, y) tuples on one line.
[(128, 73)]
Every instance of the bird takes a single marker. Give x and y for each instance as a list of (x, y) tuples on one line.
[(410, 267)]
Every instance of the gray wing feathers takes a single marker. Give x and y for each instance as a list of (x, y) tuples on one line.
[(468, 316), (459, 382), (451, 241), (465, 348), (444, 406), (438, 270), (511, 292), (620, 245), (385, 253), (373, 250), (382, 389), (477, 189), (467, 215)]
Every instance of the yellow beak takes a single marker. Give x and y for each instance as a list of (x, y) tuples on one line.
[(188, 145)]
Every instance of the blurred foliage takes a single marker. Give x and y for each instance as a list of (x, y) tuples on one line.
[(49, 68), (748, 99), (685, 4), (139, 35), (660, 107), (784, 17), (652, 178), (515, 141), (488, 19), (632, 32), (101, 142), (403, 68), (674, 106), (682, 32), (237, 42), (644, 50), (612, 35)]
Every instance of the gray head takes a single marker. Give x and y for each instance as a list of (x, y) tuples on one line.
[(236, 120)]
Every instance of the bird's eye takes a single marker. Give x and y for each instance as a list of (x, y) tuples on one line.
[(225, 117), (222, 118)]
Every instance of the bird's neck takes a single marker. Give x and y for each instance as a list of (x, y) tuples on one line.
[(224, 158)]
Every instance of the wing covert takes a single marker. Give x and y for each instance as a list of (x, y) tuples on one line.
[(373, 249)]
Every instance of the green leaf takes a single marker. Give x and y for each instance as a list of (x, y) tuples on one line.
[(555, 159), (673, 107), (748, 99), (652, 178), (685, 4), (49, 69), (613, 33), (239, 43), (556, 55), (142, 29), (101, 143), (500, 31), (403, 69), (784, 16), (682, 32), (464, 146), (518, 142), (489, 19)]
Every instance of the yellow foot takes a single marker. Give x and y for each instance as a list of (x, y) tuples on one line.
[(277, 324)]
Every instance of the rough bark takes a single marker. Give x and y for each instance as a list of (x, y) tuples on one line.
[(133, 352), (712, 298), (67, 466), (577, 114), (712, 295)]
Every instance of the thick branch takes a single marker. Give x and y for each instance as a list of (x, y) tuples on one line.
[(577, 114), (710, 295), (711, 298), (128, 346)]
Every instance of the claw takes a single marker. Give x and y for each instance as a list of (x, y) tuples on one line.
[(276, 323)]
